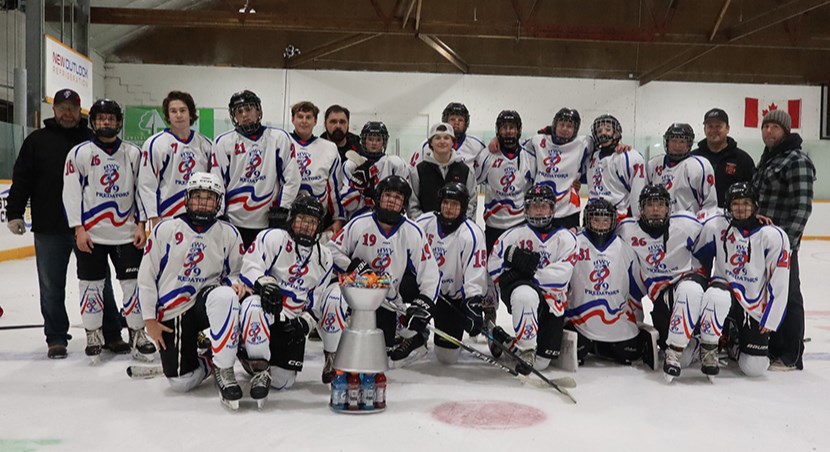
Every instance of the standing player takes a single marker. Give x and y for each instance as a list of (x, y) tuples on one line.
[(670, 274), (457, 245), (689, 178), (466, 146), (101, 203), (170, 157), (282, 274), (385, 241), (751, 272), (258, 167), (617, 177), (362, 178), (532, 264), (184, 287), (320, 167)]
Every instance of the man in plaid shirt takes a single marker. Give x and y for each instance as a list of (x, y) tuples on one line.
[(784, 183)]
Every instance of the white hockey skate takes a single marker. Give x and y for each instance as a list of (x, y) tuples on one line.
[(143, 348), (94, 345), (671, 367), (229, 390)]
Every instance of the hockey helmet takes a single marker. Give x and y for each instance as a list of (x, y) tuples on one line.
[(741, 190), (310, 206), (599, 209), (603, 138), (540, 194), (241, 99), (683, 131), (459, 109), (567, 115), (458, 192), (373, 128), (509, 117), (106, 106), (653, 192), (397, 184), (197, 208)]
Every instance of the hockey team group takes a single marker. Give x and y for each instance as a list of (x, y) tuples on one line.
[(249, 233)]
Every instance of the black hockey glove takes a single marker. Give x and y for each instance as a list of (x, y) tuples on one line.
[(473, 315), (418, 313), (522, 260), (509, 278), (362, 176), (270, 294), (278, 218), (358, 266), (296, 329)]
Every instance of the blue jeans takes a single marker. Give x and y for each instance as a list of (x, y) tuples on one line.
[(52, 253)]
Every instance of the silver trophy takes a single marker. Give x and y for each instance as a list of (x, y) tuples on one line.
[(362, 346)]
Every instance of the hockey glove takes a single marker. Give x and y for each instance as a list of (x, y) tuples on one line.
[(473, 315), (522, 260), (270, 294), (359, 266), (417, 314), (362, 176), (278, 218), (509, 279), (296, 329)]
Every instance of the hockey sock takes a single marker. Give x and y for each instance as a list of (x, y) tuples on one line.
[(256, 329), (223, 316), (92, 303), (132, 310)]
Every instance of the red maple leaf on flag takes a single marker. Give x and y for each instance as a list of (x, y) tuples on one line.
[(769, 108)]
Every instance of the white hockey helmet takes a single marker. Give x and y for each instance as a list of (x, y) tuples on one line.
[(207, 182)]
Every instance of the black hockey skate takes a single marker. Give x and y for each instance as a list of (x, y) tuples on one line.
[(260, 369), (94, 344), (408, 351), (328, 367), (709, 364), (229, 390), (671, 367), (142, 348)]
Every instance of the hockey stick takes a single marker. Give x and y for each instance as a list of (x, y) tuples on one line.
[(19, 327), (472, 351), (355, 158), (144, 372)]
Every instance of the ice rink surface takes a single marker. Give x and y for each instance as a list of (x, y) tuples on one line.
[(68, 405)]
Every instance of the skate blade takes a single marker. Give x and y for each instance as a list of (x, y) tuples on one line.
[(147, 358), (260, 403), (94, 360), (232, 405), (668, 378), (711, 378)]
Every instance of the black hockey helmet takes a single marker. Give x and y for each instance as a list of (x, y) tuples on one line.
[(540, 194), (603, 209), (456, 108), (306, 205), (741, 190), (654, 192), (396, 184), (106, 106), (606, 141), (509, 117), (241, 99), (683, 131), (458, 192), (373, 128), (568, 115)]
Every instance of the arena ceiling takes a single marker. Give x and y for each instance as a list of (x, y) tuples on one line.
[(753, 41)]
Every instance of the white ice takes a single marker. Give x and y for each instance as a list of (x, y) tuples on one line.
[(59, 405)]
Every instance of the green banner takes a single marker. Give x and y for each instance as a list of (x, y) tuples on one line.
[(141, 123)]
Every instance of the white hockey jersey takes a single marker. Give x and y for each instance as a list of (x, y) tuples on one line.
[(166, 165), (616, 178), (559, 252), (691, 182), (468, 148), (461, 257), (755, 264), (600, 302), (180, 259), (663, 261), (558, 166), (354, 201), (505, 182), (404, 246), (258, 173), (302, 272), (321, 172), (99, 190)]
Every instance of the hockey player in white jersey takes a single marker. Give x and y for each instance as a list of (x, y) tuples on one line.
[(603, 297), (184, 287), (384, 241), (258, 166), (617, 177), (466, 146), (320, 166), (282, 274), (102, 205), (457, 245), (170, 157), (750, 270), (370, 166), (532, 264), (689, 178), (670, 274)]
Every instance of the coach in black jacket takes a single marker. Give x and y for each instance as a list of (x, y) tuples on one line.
[(731, 163), (38, 176)]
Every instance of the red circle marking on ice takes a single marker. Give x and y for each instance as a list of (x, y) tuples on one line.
[(488, 414)]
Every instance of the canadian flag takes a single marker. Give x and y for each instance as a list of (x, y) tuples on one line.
[(755, 109)]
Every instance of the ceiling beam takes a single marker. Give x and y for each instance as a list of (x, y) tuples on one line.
[(385, 17), (408, 12), (445, 51), (328, 49), (720, 19)]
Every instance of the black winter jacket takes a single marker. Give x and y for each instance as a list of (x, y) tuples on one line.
[(732, 164)]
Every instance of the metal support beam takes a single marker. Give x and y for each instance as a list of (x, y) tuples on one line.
[(82, 24), (720, 19), (328, 49), (34, 61), (445, 51), (518, 10), (408, 12), (418, 18)]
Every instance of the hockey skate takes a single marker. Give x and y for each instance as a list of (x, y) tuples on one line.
[(142, 348), (490, 319), (648, 338), (709, 364), (328, 367), (528, 356), (117, 346), (498, 334), (229, 390), (671, 367), (261, 385), (408, 351), (94, 344)]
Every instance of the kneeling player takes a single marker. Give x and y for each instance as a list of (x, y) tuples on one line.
[(184, 287), (603, 301), (532, 264), (282, 273), (751, 270), (457, 244)]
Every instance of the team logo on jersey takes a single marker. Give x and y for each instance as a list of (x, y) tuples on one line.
[(739, 260), (600, 273), (252, 170), (655, 256), (383, 260), (109, 178), (552, 161), (667, 182), (597, 178), (438, 252), (507, 180), (186, 165), (304, 160), (296, 273), (195, 255)]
